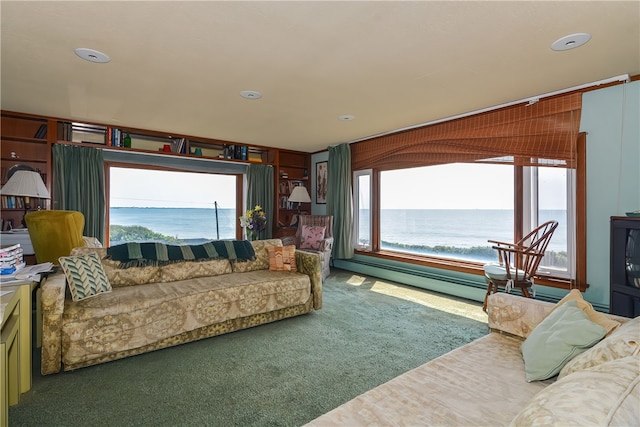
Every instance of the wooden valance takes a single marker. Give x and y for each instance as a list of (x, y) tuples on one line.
[(523, 134)]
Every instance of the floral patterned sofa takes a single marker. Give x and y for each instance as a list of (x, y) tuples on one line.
[(152, 307), (484, 382)]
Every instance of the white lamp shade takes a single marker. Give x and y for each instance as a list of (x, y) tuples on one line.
[(300, 195), (26, 184)]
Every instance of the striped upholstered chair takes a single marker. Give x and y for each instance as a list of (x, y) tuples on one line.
[(314, 234)]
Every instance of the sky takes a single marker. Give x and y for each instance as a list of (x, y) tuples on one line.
[(465, 186), (131, 187), (454, 186)]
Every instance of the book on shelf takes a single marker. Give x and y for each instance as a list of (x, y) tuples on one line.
[(236, 152), (41, 132), (114, 137), (178, 145), (9, 202), (228, 151), (19, 202), (64, 131), (69, 131)]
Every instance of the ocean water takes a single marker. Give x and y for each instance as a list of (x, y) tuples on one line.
[(422, 230), (181, 223), (458, 227), (411, 230)]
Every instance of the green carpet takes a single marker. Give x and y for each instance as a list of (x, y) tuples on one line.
[(281, 374)]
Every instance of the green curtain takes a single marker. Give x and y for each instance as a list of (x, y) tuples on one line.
[(260, 191), (339, 202), (78, 185)]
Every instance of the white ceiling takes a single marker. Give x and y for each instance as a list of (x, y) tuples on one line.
[(179, 66)]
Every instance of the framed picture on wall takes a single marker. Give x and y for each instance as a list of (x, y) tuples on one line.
[(321, 182)]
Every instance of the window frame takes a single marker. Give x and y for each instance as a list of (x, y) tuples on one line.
[(356, 204), (531, 219)]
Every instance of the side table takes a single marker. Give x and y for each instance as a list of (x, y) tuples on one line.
[(9, 352), (15, 303)]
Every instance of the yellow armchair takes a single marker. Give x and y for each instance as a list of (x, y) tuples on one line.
[(54, 233)]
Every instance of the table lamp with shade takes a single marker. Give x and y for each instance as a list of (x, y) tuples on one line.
[(25, 183), (300, 195)]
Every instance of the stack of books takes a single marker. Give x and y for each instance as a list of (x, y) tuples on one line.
[(11, 258)]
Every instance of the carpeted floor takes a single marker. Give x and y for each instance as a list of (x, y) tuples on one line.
[(281, 374)]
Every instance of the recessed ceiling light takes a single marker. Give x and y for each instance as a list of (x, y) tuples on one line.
[(346, 117), (92, 55), (571, 41), (250, 94)]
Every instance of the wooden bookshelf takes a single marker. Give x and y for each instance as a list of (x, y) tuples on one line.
[(150, 141), (24, 145), (28, 139), (293, 170)]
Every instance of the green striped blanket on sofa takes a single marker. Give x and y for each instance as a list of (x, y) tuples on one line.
[(136, 254)]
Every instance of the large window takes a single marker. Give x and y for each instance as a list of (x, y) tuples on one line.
[(170, 206), (441, 190), (447, 211), (450, 211)]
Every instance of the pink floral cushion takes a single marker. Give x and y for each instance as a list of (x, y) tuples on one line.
[(312, 237)]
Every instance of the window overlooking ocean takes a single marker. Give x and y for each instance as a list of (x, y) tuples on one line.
[(450, 211), (441, 190), (170, 206)]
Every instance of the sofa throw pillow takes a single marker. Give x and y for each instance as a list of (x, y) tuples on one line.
[(85, 276), (563, 334), (600, 318), (312, 237), (623, 342), (282, 258)]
